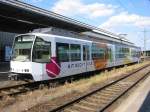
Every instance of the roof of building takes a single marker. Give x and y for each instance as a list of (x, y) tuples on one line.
[(20, 17), (24, 17)]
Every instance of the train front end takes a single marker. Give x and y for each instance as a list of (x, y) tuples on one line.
[(21, 61)]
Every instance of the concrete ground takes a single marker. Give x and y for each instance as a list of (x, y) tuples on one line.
[(138, 101)]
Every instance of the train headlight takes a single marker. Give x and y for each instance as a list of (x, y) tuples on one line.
[(26, 70)]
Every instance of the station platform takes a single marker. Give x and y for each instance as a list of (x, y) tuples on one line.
[(4, 66), (138, 101), (4, 70)]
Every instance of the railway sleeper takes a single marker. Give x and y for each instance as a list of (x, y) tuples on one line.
[(118, 87), (19, 91), (20, 88), (25, 89), (130, 79), (97, 96), (78, 109), (112, 90), (28, 89), (5, 92), (92, 100), (99, 101), (104, 97), (135, 79), (69, 110), (106, 93), (14, 90), (126, 83), (86, 108), (88, 104)]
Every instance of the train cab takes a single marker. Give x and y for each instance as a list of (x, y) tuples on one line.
[(30, 52)]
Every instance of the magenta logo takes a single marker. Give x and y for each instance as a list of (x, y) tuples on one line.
[(53, 68)]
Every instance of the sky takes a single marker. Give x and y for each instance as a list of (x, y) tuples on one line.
[(130, 17)]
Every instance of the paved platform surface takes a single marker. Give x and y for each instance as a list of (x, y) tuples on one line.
[(146, 105), (138, 101)]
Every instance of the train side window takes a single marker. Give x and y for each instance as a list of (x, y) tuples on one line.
[(97, 52), (63, 52), (75, 52), (41, 51), (121, 52)]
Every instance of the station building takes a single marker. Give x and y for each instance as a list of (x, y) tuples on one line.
[(6, 41), (17, 17)]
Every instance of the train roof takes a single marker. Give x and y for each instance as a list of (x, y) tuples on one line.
[(56, 36), (108, 37), (94, 34), (76, 39)]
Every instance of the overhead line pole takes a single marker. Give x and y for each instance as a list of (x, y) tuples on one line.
[(144, 39), (144, 34)]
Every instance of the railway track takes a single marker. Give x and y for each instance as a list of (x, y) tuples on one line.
[(102, 98), (25, 87)]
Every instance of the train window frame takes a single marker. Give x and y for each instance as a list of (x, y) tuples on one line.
[(121, 52), (58, 44), (98, 52), (22, 49), (77, 52), (45, 58)]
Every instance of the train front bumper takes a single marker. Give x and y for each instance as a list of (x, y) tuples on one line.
[(20, 67)]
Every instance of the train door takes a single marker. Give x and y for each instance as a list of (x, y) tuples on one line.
[(110, 51), (86, 56), (41, 56)]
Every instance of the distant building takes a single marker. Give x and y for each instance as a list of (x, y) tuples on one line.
[(6, 41), (147, 53)]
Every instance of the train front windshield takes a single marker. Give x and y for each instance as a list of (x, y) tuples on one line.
[(22, 48)]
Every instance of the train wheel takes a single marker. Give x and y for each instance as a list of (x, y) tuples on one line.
[(12, 78), (15, 77), (41, 86)]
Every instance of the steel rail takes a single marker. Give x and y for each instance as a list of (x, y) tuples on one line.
[(25, 87), (108, 105), (68, 104)]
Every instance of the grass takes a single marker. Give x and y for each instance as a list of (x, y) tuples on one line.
[(24, 102)]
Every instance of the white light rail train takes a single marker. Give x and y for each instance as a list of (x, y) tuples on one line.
[(47, 56)]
